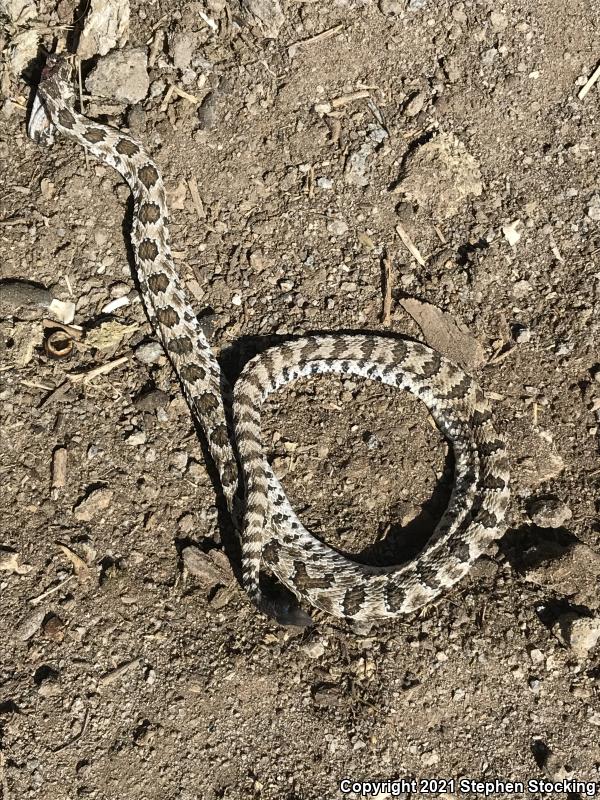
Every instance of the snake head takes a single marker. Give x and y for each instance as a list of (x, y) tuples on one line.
[(55, 87), (56, 67), (56, 80)]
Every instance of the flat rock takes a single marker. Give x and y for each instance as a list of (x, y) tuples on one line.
[(151, 400), (182, 49), (440, 175), (121, 75), (266, 15), (212, 568)]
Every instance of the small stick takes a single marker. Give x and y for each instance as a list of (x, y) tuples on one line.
[(68, 283), (186, 95), (556, 252), (37, 600), (167, 98), (209, 20), (590, 82), (196, 199), (409, 244), (13, 221), (386, 311), (112, 676), (155, 45), (59, 468), (103, 369), (440, 235), (77, 736), (344, 99), (56, 394), (180, 93), (295, 46), (74, 331), (310, 182), (34, 385), (80, 568)]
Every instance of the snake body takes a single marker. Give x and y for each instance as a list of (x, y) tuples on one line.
[(269, 529)]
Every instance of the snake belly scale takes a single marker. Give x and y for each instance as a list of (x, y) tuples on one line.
[(269, 529)]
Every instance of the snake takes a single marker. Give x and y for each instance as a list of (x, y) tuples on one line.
[(271, 535)]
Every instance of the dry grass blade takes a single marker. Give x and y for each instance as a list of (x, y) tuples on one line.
[(386, 310), (590, 82)]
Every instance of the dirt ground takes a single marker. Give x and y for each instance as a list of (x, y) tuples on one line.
[(128, 668)]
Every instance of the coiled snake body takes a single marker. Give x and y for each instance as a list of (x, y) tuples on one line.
[(271, 531)]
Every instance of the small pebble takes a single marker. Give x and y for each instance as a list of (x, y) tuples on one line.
[(521, 334), (391, 7), (499, 21), (136, 438), (337, 227), (415, 105), (594, 208), (536, 656), (186, 523), (30, 625), (313, 649), (430, 759), (119, 289), (54, 628), (580, 634), (511, 232), (179, 459), (324, 183), (149, 352), (88, 507)]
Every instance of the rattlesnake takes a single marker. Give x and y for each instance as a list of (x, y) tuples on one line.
[(269, 529)]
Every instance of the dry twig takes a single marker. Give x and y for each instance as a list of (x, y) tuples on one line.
[(386, 310), (409, 244), (103, 369), (590, 82), (295, 46)]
